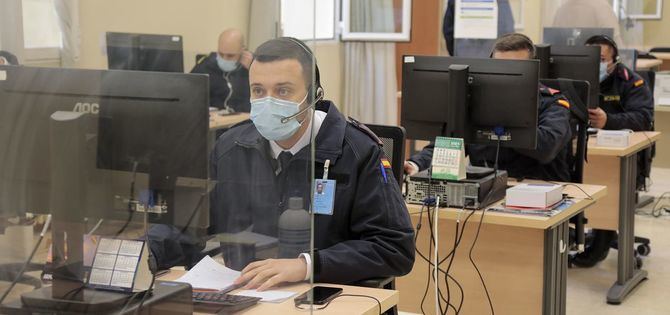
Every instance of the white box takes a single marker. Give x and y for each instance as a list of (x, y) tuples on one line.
[(534, 195), (662, 89), (613, 138)]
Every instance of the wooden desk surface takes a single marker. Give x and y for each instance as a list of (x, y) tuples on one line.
[(638, 141), (342, 305), (659, 55), (528, 221), (646, 64), (217, 121)]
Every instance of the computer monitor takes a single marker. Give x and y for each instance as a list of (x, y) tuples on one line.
[(474, 99), (580, 63), (629, 58), (572, 36), (145, 52), (148, 123)]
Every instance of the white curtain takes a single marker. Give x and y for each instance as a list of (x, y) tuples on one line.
[(68, 20), (370, 71)]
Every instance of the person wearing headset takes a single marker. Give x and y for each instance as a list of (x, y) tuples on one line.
[(228, 72), (626, 103), (626, 100), (550, 160), (260, 164)]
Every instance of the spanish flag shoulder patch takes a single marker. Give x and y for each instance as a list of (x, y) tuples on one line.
[(385, 163), (564, 103), (638, 83)]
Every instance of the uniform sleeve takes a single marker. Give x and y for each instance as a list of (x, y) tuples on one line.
[(382, 238), (424, 158), (639, 108), (553, 133)]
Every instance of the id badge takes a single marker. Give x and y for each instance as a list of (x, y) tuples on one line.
[(324, 196)]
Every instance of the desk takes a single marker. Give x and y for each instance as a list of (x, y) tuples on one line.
[(617, 210), (343, 305), (217, 121), (648, 64), (666, 60), (522, 259)]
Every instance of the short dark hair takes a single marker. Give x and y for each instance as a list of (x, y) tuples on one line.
[(604, 40), (514, 42), (289, 48)]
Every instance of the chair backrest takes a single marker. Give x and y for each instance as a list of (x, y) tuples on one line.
[(200, 57), (650, 78), (393, 138), (577, 93)]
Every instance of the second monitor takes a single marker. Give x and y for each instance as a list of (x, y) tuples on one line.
[(479, 100)]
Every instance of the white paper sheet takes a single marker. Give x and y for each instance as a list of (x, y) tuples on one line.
[(272, 296), (209, 274), (476, 19)]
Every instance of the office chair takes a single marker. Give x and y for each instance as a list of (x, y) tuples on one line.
[(577, 93), (393, 139), (200, 57)]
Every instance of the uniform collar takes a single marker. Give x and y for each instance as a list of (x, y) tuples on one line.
[(329, 138), (305, 139)]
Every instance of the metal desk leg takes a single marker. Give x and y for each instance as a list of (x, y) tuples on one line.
[(555, 269), (628, 276)]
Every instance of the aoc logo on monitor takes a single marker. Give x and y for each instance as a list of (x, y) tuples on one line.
[(89, 108)]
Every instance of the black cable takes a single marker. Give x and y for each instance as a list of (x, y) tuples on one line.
[(130, 201), (589, 197), (195, 210), (479, 227), (481, 278), (150, 262), (28, 260), (379, 303), (146, 293), (430, 264), (655, 210)]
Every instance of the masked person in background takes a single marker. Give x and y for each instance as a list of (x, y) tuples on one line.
[(228, 72), (626, 100), (626, 103)]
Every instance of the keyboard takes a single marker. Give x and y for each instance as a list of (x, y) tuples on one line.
[(222, 303)]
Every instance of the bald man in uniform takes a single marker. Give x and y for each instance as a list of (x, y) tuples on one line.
[(228, 72)]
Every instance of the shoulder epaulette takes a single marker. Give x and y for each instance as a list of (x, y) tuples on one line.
[(362, 127)]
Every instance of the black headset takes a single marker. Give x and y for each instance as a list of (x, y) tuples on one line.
[(318, 92), (596, 39)]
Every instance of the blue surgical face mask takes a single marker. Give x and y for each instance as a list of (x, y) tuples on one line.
[(603, 71), (267, 114), (225, 65)]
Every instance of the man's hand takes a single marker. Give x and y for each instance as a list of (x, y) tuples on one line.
[(410, 168), (598, 118), (246, 58), (265, 274)]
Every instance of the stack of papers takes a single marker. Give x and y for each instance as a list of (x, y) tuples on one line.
[(208, 274)]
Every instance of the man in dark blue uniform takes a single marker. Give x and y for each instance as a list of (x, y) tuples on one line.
[(228, 72), (626, 100), (549, 161), (626, 103), (260, 164)]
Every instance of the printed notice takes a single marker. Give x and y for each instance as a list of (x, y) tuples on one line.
[(109, 246), (131, 248), (104, 261), (100, 277), (476, 19), (126, 263), (123, 279)]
